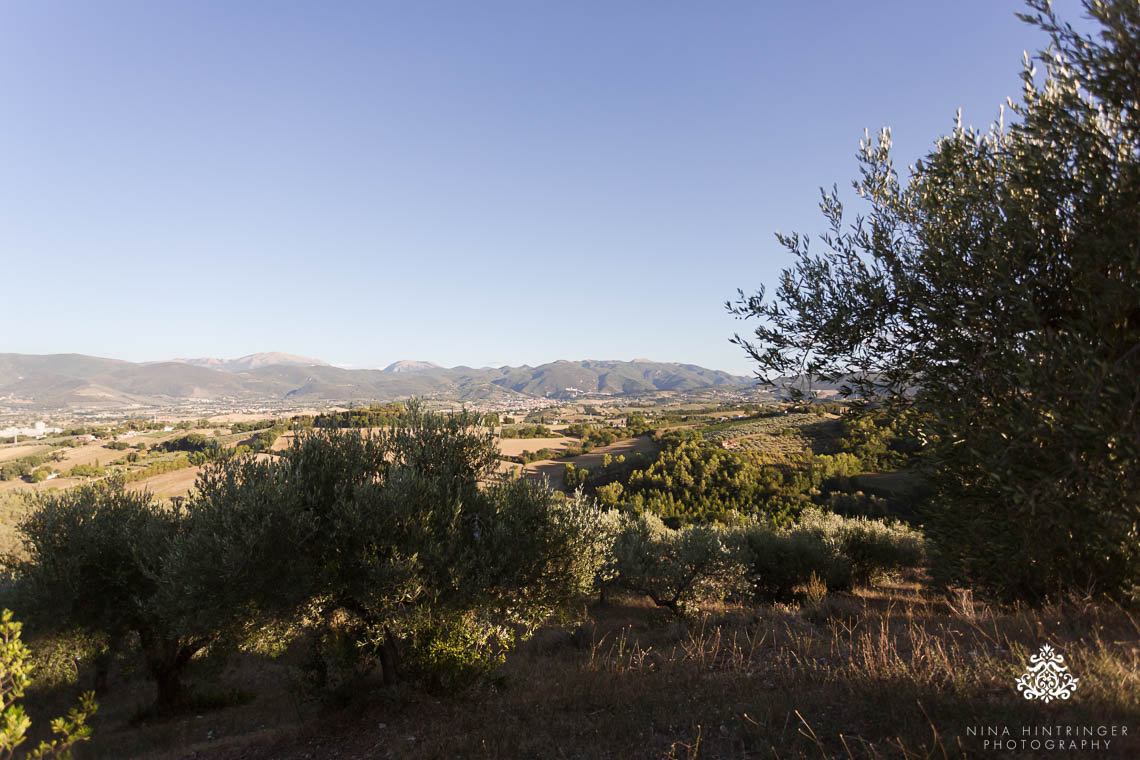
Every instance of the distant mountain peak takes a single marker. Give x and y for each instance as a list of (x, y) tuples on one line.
[(410, 365), (254, 361)]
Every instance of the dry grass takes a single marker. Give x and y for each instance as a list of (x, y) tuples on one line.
[(17, 485), (895, 673), (9, 451), (89, 453), (507, 468)]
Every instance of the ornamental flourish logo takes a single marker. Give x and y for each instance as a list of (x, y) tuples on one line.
[(1047, 678)]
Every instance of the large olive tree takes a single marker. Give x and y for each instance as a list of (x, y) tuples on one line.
[(404, 529), (106, 561), (996, 294)]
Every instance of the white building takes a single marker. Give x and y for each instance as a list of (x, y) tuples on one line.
[(39, 430)]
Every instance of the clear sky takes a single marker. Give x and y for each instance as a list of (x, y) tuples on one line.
[(477, 183)]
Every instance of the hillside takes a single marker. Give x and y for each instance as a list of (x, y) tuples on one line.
[(76, 381)]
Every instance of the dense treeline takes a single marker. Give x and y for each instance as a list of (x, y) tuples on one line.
[(187, 443), (376, 415), (693, 480), (262, 440), (159, 468), (592, 435), (250, 426)]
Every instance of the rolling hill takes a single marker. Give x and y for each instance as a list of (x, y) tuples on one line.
[(74, 380)]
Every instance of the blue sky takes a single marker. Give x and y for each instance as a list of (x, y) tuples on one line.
[(468, 183)]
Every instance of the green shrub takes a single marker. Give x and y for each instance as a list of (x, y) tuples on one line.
[(451, 655), (679, 568), (872, 547), (676, 568), (778, 562), (14, 722), (839, 551)]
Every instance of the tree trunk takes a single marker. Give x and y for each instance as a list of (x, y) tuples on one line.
[(170, 696), (389, 651), (166, 660), (389, 657), (103, 662)]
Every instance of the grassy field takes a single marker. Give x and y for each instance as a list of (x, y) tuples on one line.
[(778, 436), (894, 673)]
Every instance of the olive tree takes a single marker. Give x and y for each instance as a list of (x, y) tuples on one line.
[(676, 568), (996, 294), (105, 561), (404, 529)]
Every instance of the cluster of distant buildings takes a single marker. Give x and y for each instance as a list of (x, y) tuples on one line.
[(39, 430)]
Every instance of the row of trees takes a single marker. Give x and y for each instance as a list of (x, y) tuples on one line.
[(26, 465), (754, 561), (527, 431), (375, 415)]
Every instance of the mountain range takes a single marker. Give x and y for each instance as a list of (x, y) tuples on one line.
[(78, 381)]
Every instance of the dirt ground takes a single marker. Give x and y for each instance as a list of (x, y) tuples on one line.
[(633, 681)]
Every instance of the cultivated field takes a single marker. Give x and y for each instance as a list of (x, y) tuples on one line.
[(778, 436), (554, 468)]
